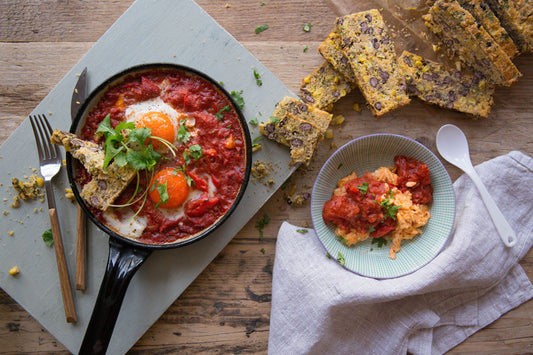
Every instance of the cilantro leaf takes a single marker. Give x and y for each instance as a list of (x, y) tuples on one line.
[(237, 96), (307, 27), (260, 29), (254, 121), (363, 188), (105, 127), (220, 114), (48, 237), (340, 259), (274, 120), (379, 241), (163, 193), (260, 224), (195, 151), (257, 77), (139, 135), (183, 133)]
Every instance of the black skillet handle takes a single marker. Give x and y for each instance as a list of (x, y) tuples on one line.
[(122, 263)]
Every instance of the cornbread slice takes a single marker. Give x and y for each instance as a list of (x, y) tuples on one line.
[(299, 135), (476, 48), (331, 50), (486, 17), (105, 186), (517, 17), (371, 55), (324, 87), (317, 117), (432, 82)]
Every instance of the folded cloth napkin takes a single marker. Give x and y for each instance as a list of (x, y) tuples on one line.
[(319, 307)]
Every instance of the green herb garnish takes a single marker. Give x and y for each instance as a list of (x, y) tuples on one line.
[(339, 166), (307, 27), (371, 229), (262, 250), (48, 238), (260, 224), (340, 259), (163, 193), (274, 120), (237, 96), (254, 121), (257, 77), (341, 239), (306, 48), (183, 132), (255, 142), (379, 241), (390, 209), (363, 188), (302, 231), (220, 114), (261, 28)]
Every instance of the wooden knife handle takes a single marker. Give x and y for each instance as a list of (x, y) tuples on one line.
[(80, 250), (66, 289)]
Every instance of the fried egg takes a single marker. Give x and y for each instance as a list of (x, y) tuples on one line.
[(162, 119)]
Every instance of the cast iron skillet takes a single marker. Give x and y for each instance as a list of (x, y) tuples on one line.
[(127, 255)]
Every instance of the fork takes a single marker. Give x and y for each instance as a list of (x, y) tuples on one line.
[(49, 165)]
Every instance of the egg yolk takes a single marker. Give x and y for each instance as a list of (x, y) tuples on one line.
[(160, 125), (176, 188)]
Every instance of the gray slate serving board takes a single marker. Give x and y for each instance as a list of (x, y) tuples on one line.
[(149, 31)]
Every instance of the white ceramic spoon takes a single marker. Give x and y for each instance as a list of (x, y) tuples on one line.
[(453, 146)]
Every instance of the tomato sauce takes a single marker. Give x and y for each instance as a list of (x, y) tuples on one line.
[(359, 209), (223, 143)]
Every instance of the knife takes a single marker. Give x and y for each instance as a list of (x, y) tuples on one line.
[(78, 97)]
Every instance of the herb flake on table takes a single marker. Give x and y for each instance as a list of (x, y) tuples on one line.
[(257, 77), (306, 47), (307, 27), (262, 250), (260, 224), (48, 238), (254, 121), (260, 29)]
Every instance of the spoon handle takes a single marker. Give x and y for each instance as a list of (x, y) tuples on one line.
[(507, 233)]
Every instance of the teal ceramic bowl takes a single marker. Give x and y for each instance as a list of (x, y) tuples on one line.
[(368, 153)]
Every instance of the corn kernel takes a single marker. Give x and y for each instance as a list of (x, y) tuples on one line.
[(14, 270), (329, 133), (10, 233)]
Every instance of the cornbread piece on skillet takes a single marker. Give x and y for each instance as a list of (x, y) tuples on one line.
[(331, 50), (373, 60), (317, 117), (324, 87), (300, 135), (476, 48), (105, 186), (486, 17), (517, 17), (448, 88), (90, 154)]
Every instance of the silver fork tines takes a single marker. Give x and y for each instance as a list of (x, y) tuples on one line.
[(49, 165)]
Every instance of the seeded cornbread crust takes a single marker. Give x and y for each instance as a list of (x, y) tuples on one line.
[(316, 116), (432, 82), (486, 17), (331, 50), (372, 57), (517, 18), (324, 87), (300, 135), (475, 47)]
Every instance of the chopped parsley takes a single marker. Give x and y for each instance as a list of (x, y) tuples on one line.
[(260, 224), (220, 114), (307, 27), (363, 188), (237, 96), (302, 231), (257, 77), (340, 259), (379, 241), (260, 29), (48, 238)]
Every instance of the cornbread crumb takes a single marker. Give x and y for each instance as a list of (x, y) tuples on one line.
[(69, 194), (10, 233), (261, 173), (14, 271)]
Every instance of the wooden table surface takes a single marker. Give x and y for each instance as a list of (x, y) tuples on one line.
[(227, 308)]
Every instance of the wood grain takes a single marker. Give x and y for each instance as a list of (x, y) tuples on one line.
[(227, 308), (81, 251)]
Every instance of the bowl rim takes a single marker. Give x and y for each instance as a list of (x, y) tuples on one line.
[(95, 96), (446, 177)]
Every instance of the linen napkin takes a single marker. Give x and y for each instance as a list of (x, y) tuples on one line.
[(319, 307)]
